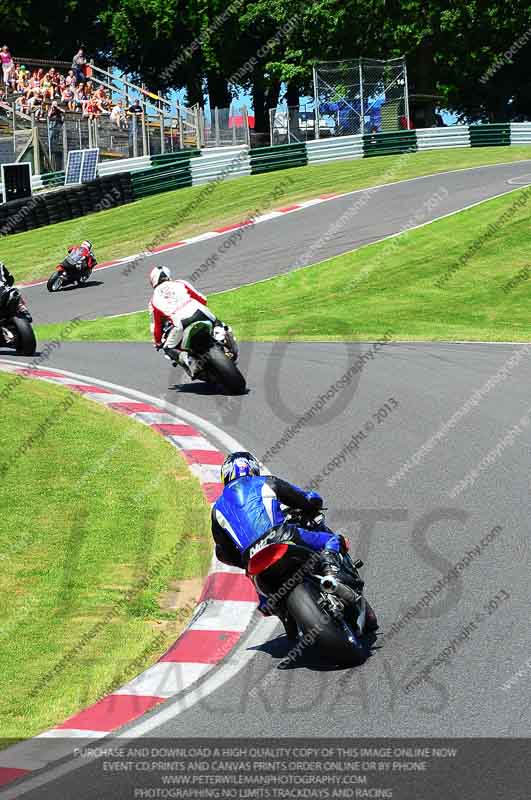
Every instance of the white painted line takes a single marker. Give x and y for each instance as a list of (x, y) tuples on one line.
[(376, 241), (68, 733), (302, 204), (240, 658), (226, 441)]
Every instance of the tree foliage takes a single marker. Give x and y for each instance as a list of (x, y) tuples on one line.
[(474, 56)]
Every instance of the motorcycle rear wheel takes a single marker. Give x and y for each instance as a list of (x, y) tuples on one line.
[(323, 631), (26, 344), (226, 371)]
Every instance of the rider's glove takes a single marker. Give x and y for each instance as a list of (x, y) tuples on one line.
[(315, 499)]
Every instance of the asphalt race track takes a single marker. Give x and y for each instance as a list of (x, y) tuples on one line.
[(281, 244), (410, 531)]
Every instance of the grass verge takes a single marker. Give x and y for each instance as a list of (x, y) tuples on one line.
[(413, 285), (96, 508), (175, 215)]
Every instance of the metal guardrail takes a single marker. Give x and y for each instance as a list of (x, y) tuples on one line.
[(490, 135), (147, 175), (387, 144), (167, 172), (221, 164), (434, 138), (344, 147), (282, 156)]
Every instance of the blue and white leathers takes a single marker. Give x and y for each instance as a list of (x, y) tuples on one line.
[(250, 506)]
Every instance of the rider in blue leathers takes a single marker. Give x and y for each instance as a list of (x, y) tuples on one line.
[(250, 506)]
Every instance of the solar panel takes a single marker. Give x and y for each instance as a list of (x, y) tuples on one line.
[(82, 166), (90, 165), (73, 167)]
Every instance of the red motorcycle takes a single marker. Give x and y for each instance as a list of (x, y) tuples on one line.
[(76, 268)]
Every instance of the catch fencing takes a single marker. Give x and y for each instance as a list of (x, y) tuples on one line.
[(364, 95)]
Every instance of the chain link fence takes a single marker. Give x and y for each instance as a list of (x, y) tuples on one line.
[(138, 135), (292, 124), (223, 127), (360, 96)]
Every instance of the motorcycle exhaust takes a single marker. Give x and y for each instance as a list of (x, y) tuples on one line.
[(331, 585)]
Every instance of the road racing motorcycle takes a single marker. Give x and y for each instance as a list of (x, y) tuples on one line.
[(15, 322), (214, 347), (327, 613), (74, 269)]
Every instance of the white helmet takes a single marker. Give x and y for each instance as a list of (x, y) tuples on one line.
[(158, 275), (87, 244)]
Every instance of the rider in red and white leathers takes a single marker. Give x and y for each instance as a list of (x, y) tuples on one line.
[(87, 251), (179, 302)]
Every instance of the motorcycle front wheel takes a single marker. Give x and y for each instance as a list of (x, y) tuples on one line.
[(320, 630), (55, 281)]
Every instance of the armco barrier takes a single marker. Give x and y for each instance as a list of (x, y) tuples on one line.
[(520, 133), (387, 144), (435, 138), (129, 179), (496, 135), (168, 172), (221, 163), (123, 165), (282, 156), (322, 150)]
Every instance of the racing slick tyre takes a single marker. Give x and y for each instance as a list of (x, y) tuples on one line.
[(226, 371), (55, 282), (26, 344), (320, 629)]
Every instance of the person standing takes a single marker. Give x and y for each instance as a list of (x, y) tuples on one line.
[(7, 64), (79, 63)]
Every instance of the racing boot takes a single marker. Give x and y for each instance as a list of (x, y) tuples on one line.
[(191, 365)]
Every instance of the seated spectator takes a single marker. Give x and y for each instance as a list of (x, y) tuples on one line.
[(22, 78), (71, 79), (47, 88), (7, 64), (68, 98), (117, 115), (93, 108), (79, 63), (82, 97)]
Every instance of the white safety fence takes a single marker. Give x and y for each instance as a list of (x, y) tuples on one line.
[(220, 164), (520, 133), (234, 162), (434, 138), (342, 147), (123, 165)]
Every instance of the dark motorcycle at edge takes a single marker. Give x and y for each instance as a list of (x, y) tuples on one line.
[(216, 350), (327, 613), (15, 322), (74, 269)]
